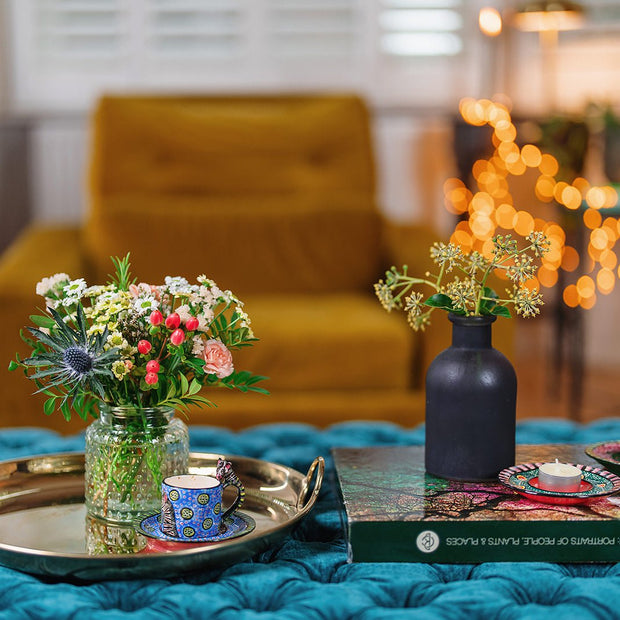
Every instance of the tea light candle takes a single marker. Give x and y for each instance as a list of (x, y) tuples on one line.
[(559, 477)]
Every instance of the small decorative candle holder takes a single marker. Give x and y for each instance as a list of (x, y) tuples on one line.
[(559, 477)]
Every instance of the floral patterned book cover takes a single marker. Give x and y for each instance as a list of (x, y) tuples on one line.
[(397, 512)]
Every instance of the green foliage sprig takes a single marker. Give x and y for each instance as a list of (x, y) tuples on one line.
[(460, 285)]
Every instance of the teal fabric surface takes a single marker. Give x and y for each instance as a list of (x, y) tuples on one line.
[(307, 576)]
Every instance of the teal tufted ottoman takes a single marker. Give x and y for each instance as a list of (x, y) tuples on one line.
[(307, 575)]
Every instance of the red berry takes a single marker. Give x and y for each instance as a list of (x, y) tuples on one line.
[(177, 336), (156, 317), (151, 378), (152, 366), (173, 321), (144, 346), (192, 324)]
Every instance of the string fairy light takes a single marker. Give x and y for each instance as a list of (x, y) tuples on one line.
[(490, 209)]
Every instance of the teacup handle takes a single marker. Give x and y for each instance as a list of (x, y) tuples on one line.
[(227, 477)]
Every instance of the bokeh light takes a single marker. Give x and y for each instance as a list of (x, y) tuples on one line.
[(608, 259), (570, 258), (490, 206), (571, 296), (605, 281), (531, 156), (490, 21), (592, 218)]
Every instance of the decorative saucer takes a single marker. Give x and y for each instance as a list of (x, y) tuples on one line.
[(596, 482), (607, 453), (237, 524)]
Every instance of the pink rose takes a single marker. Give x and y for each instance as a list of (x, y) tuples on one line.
[(218, 359), (145, 289)]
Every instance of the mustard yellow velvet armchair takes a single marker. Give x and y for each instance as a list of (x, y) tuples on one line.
[(274, 198)]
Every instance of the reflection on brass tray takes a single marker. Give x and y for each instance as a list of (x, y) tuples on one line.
[(44, 528), (104, 538)]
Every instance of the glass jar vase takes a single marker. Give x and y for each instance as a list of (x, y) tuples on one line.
[(129, 451)]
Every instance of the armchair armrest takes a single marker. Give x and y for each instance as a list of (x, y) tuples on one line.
[(38, 252), (408, 245)]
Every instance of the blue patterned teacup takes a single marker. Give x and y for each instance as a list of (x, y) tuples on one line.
[(191, 506)]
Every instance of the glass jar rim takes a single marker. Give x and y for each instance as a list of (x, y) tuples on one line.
[(129, 411)]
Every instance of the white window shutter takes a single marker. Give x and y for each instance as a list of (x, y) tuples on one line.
[(419, 28), (79, 33), (194, 30), (69, 51), (313, 29)]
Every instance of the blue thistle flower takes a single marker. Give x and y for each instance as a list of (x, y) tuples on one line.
[(71, 360)]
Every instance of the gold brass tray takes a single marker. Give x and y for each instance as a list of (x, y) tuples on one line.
[(44, 528)]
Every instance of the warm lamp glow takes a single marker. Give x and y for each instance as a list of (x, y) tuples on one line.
[(596, 197), (550, 15), (490, 21), (544, 188), (523, 223)]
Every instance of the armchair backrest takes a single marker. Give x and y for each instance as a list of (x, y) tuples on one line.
[(262, 193)]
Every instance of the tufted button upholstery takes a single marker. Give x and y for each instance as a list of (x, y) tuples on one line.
[(307, 575)]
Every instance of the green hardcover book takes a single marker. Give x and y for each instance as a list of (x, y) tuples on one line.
[(397, 512)]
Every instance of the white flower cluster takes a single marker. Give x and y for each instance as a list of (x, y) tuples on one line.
[(52, 288)]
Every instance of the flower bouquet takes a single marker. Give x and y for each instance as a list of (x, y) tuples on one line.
[(130, 355)]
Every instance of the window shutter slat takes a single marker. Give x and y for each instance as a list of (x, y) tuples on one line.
[(419, 28)]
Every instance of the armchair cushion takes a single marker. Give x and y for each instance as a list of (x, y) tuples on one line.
[(328, 342), (265, 193), (274, 244), (231, 145)]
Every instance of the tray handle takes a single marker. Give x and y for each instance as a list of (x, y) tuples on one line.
[(318, 465)]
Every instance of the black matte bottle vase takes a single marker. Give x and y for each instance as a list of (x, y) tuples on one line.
[(471, 396)]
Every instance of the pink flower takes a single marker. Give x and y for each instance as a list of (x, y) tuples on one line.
[(144, 289), (218, 359)]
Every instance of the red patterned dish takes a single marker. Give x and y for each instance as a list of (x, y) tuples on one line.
[(596, 482), (607, 453)]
